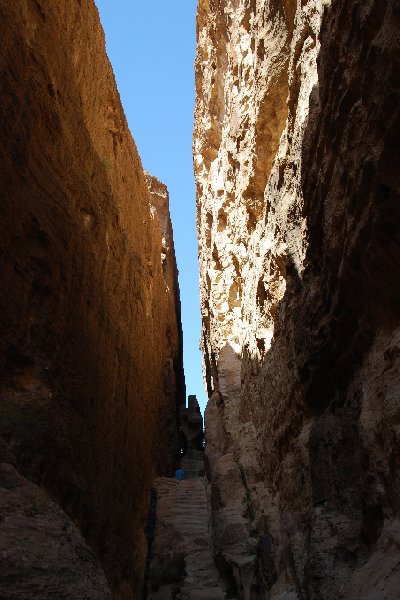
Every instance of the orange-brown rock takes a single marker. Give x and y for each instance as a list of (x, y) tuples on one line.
[(174, 376), (295, 153), (90, 340)]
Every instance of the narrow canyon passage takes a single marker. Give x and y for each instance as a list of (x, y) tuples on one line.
[(182, 564), (108, 488), (181, 555)]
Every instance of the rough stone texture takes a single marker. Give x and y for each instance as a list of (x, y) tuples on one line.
[(42, 553), (296, 126), (175, 379), (182, 564), (90, 341)]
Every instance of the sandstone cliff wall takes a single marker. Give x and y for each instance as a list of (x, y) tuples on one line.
[(298, 220), (90, 334)]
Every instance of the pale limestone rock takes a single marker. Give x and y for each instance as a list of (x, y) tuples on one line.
[(299, 270)]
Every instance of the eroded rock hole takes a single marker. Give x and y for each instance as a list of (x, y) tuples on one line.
[(216, 259), (251, 221), (235, 295), (208, 229), (262, 293), (222, 220)]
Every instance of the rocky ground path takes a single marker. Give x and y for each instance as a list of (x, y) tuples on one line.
[(182, 565)]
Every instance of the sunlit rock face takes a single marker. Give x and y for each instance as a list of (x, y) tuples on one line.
[(90, 335), (296, 124), (174, 378)]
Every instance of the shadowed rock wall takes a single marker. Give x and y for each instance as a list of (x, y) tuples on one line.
[(43, 553), (90, 334), (298, 220)]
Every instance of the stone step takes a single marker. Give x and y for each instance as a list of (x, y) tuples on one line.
[(182, 564), (206, 594)]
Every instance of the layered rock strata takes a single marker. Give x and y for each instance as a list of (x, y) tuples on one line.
[(90, 335), (297, 117)]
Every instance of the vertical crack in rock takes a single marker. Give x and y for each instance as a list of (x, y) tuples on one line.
[(295, 157)]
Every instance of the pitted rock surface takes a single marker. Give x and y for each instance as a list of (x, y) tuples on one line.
[(296, 164)]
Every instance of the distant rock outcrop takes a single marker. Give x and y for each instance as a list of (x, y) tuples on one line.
[(90, 335), (296, 163)]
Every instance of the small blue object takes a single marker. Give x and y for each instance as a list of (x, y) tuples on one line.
[(179, 474)]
